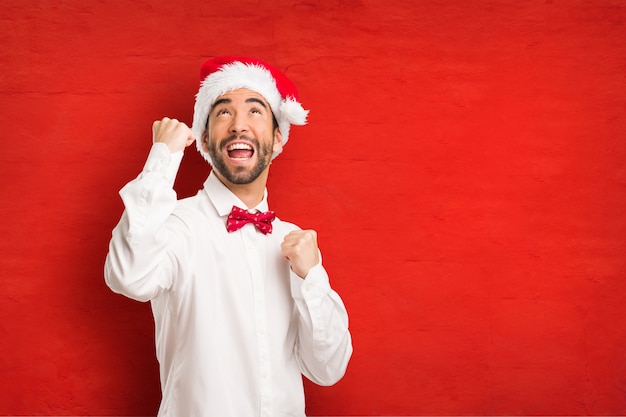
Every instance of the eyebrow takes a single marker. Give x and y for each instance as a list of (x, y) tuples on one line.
[(248, 100), (221, 101), (256, 100)]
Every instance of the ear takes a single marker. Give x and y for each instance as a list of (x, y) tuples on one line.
[(278, 141), (205, 142)]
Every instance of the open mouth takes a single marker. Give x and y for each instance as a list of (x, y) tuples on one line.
[(240, 151)]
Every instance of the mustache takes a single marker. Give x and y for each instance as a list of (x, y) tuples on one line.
[(232, 137)]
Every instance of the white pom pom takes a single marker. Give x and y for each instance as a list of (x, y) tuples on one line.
[(293, 112)]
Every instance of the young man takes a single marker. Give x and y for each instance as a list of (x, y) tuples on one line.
[(242, 305)]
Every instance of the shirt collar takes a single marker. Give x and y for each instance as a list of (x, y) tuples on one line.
[(223, 199)]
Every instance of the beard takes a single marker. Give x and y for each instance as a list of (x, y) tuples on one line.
[(240, 175)]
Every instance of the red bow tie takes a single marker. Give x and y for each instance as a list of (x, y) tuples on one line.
[(238, 218)]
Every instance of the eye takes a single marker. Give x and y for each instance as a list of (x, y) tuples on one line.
[(222, 111)]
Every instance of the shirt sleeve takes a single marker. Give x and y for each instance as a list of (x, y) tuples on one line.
[(324, 344), (137, 264)]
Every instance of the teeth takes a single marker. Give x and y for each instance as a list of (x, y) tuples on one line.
[(239, 146)]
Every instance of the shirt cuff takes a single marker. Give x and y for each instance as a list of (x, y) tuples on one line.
[(161, 161), (316, 283)]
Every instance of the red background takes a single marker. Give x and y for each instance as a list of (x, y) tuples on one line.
[(464, 166)]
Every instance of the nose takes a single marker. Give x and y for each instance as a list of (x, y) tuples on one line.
[(239, 124)]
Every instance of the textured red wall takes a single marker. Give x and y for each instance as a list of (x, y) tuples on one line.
[(464, 165)]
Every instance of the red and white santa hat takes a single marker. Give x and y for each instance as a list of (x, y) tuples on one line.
[(220, 75)]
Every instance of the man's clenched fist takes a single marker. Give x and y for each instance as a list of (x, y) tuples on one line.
[(176, 135), (300, 249)]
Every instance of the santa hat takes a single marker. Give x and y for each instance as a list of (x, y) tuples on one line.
[(223, 74)]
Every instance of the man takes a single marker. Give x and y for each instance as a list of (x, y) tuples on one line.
[(241, 303)]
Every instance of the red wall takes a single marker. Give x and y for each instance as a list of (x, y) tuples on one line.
[(465, 166)]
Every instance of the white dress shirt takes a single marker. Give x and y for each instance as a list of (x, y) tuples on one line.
[(235, 327)]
